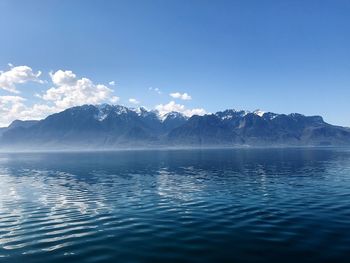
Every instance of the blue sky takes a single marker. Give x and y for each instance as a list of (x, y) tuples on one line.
[(279, 56)]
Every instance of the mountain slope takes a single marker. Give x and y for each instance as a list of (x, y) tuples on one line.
[(18, 124), (98, 126)]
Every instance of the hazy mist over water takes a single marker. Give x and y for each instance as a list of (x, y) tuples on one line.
[(231, 205)]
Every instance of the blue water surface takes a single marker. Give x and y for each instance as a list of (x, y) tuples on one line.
[(231, 205)]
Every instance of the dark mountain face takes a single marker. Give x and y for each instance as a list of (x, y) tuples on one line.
[(267, 129), (203, 130), (107, 126), (173, 120)]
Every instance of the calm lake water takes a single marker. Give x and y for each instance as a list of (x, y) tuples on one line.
[(242, 205)]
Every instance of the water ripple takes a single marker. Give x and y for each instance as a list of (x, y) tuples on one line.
[(178, 206)]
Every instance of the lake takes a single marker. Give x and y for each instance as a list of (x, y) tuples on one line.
[(231, 205)]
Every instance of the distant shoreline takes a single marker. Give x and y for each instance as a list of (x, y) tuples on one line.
[(179, 148)]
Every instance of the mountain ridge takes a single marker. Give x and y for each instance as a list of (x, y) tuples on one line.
[(115, 126)]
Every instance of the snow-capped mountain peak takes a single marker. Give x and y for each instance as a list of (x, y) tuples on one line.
[(258, 112)]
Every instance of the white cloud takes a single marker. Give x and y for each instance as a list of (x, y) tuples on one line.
[(157, 90), (13, 107), (70, 91), (111, 83), (61, 78), (17, 75), (172, 106), (114, 99), (178, 95), (134, 101)]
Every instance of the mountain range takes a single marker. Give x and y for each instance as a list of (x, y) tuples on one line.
[(114, 126)]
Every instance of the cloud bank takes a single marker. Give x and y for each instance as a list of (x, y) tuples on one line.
[(70, 91), (64, 89), (67, 91)]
